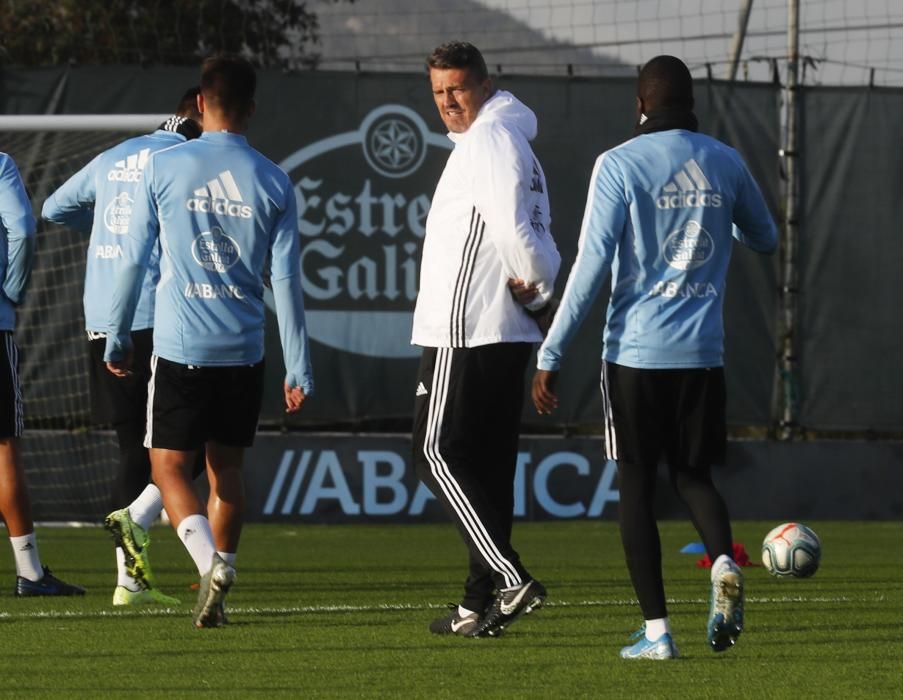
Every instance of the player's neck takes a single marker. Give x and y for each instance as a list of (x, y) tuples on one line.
[(217, 122)]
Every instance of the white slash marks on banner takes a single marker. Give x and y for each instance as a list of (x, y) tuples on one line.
[(285, 465)]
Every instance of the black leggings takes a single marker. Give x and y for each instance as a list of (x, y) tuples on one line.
[(639, 531), (679, 415)]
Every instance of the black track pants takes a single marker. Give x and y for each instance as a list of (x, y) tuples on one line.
[(466, 427)]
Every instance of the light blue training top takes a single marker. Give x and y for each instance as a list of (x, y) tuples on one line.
[(226, 218), (17, 241), (662, 212), (100, 198)]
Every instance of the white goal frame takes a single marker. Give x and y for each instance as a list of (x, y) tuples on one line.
[(81, 122)]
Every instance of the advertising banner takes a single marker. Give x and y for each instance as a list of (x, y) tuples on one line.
[(364, 152), (369, 478), (365, 169)]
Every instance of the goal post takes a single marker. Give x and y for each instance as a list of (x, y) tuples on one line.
[(81, 122), (70, 462)]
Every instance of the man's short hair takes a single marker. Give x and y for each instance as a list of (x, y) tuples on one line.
[(228, 83), (188, 105), (186, 120), (665, 83), (459, 54)]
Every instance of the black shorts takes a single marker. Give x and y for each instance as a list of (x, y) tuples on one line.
[(678, 414), (188, 406), (118, 400), (12, 413)]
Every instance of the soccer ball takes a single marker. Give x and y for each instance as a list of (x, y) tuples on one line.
[(791, 549)]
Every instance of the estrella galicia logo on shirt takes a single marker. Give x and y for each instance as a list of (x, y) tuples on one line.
[(363, 197), (118, 213), (688, 188), (129, 168), (215, 250), (220, 196), (688, 247)]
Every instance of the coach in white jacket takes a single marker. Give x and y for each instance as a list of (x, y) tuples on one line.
[(489, 264)]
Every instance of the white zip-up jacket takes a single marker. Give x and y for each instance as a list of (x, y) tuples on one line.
[(488, 222)]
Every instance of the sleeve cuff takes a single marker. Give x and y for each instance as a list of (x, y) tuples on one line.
[(542, 298), (545, 362)]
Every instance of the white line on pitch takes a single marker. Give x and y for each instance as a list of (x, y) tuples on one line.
[(314, 609)]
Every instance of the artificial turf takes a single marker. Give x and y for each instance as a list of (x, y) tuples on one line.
[(342, 611)]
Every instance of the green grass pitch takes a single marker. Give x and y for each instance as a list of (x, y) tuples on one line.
[(342, 611)]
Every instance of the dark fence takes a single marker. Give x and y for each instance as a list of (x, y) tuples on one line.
[(363, 207)]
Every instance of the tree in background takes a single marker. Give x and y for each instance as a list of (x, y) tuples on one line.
[(271, 33)]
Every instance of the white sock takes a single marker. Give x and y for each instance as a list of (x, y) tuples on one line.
[(656, 628), (228, 557), (122, 576), (25, 551), (464, 612), (145, 509), (718, 563), (196, 535)]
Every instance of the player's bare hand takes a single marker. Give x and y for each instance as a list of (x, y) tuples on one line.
[(294, 398), (543, 392), (523, 293), (121, 368)]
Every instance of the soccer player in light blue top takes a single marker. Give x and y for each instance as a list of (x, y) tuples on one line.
[(226, 219), (663, 211), (17, 247), (99, 199)]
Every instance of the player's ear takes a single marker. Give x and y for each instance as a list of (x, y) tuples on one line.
[(200, 102)]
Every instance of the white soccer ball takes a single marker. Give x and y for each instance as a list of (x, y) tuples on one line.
[(791, 549)]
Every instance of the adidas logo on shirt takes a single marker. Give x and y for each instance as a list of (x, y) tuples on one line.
[(129, 168), (421, 390), (220, 196), (688, 189)]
